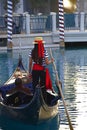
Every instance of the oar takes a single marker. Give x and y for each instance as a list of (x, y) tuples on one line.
[(58, 84)]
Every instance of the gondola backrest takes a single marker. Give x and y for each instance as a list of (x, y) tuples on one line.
[(5, 88)]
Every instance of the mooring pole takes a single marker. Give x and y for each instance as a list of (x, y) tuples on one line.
[(9, 24), (61, 23)]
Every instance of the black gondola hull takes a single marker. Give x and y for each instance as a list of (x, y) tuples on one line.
[(29, 108)]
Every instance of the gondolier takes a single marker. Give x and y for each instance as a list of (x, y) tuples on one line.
[(38, 59)]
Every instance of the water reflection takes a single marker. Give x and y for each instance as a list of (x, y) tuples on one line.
[(9, 124), (10, 63), (3, 66), (72, 70), (75, 90)]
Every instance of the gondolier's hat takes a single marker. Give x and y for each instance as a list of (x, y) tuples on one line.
[(38, 40)]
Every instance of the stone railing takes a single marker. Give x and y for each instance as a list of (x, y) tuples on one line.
[(28, 24)]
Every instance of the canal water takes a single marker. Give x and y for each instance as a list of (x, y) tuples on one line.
[(72, 70)]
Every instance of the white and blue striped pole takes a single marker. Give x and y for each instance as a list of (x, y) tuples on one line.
[(61, 22), (9, 24)]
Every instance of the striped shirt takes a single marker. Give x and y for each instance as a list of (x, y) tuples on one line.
[(45, 56)]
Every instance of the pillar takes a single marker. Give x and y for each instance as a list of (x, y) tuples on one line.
[(53, 21), (82, 21), (27, 23)]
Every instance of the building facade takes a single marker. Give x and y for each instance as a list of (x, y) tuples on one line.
[(19, 7), (25, 6)]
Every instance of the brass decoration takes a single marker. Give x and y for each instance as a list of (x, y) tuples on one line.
[(70, 6)]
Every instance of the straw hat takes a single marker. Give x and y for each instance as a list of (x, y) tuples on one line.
[(38, 39)]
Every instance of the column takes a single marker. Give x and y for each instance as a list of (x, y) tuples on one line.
[(27, 23), (53, 21), (77, 20), (82, 21)]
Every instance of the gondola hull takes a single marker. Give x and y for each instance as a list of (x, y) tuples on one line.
[(34, 112), (31, 109)]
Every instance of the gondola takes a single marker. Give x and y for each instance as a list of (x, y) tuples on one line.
[(34, 108)]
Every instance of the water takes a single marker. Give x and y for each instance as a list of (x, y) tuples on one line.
[(72, 70)]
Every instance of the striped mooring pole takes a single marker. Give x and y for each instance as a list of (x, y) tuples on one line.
[(61, 23), (9, 24)]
